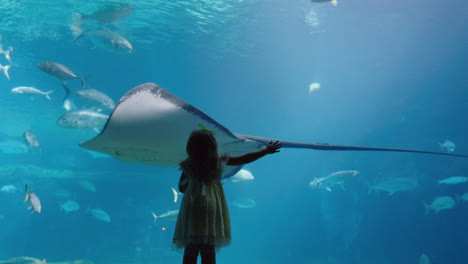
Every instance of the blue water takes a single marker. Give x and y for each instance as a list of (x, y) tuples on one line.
[(392, 74)]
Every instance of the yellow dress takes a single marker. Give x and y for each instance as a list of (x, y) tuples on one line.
[(203, 216)]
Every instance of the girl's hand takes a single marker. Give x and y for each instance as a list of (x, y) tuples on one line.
[(273, 147)]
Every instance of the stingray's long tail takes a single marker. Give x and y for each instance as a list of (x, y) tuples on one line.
[(325, 146)]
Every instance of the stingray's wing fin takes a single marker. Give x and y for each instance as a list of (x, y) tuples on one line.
[(324, 146)]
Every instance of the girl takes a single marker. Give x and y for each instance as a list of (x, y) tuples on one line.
[(203, 222)]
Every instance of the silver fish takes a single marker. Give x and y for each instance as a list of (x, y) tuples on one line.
[(394, 185), (9, 188), (70, 206), (96, 98), (34, 202), (448, 146), (83, 119), (244, 203), (100, 214), (87, 185), (31, 139), (336, 178), (30, 90), (454, 180), (106, 40), (333, 2), (170, 215), (108, 14), (439, 204), (59, 71), (464, 197), (242, 175), (5, 70)]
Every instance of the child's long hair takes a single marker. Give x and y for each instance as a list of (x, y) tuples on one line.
[(202, 150)]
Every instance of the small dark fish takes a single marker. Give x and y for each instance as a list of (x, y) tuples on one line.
[(109, 13), (34, 202), (60, 71), (31, 139)]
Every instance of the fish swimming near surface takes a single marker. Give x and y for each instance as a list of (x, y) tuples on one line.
[(34, 202), (30, 90), (70, 206), (334, 179), (394, 185), (106, 40), (448, 146), (108, 13), (176, 194), (9, 188), (150, 125), (333, 2), (5, 70), (95, 98), (242, 175), (61, 72), (100, 214), (170, 215), (83, 119), (454, 180), (439, 204), (31, 139)]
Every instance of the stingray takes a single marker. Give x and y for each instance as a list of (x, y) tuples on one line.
[(151, 126)]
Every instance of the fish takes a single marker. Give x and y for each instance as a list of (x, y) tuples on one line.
[(448, 146), (333, 2), (70, 206), (151, 126), (100, 214), (34, 202), (7, 52), (30, 90), (424, 259), (87, 185), (96, 98), (176, 194), (83, 119), (314, 87), (31, 139), (336, 178), (5, 70), (170, 215), (394, 185), (440, 203), (107, 14), (454, 180), (105, 39), (463, 198), (242, 175), (61, 72), (9, 188), (244, 203)]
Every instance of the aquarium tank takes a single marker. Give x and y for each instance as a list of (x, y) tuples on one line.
[(369, 100)]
